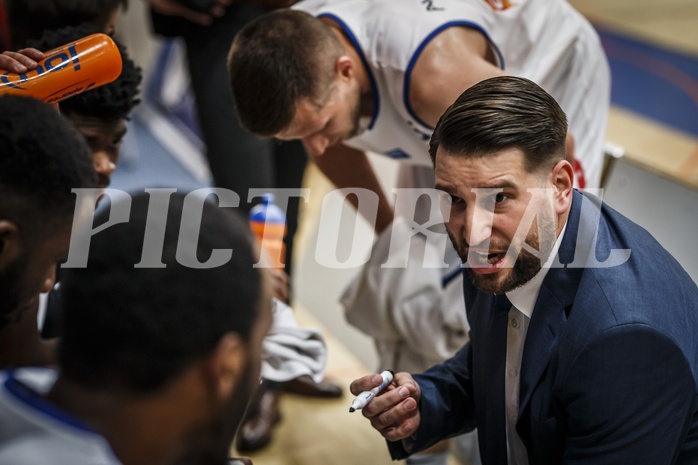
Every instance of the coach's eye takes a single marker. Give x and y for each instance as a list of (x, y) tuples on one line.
[(500, 197)]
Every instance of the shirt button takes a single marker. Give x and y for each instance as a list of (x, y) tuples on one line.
[(514, 323), (512, 373)]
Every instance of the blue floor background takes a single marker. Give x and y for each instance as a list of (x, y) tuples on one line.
[(145, 162), (653, 81)]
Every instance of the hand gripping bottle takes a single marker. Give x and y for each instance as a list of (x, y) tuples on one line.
[(68, 70), (268, 224)]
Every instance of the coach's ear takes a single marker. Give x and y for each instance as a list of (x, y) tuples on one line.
[(226, 365), (562, 179), (10, 243)]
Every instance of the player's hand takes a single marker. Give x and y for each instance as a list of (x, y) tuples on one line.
[(394, 412), (176, 8), (280, 285), (20, 61)]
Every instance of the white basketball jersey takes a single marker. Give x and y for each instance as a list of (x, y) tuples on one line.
[(33, 431), (546, 41)]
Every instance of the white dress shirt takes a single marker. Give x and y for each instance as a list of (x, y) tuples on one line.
[(523, 301)]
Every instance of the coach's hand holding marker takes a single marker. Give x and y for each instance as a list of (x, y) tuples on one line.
[(365, 397)]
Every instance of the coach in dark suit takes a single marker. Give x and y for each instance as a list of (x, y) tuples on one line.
[(584, 330)]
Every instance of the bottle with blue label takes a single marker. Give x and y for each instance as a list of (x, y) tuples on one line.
[(268, 223)]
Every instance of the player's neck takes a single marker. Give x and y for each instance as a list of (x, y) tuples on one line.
[(140, 430)]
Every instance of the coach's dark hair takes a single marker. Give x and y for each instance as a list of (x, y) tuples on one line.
[(109, 102), (501, 113), (132, 330), (42, 158), (28, 19), (275, 61)]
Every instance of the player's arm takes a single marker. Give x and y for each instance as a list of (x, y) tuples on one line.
[(201, 12), (348, 167), (454, 60), (451, 62)]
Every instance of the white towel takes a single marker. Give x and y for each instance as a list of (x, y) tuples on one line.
[(290, 351)]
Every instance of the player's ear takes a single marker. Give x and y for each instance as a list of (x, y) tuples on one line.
[(344, 67), (10, 243), (226, 365)]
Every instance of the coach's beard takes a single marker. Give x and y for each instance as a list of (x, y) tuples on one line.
[(525, 268)]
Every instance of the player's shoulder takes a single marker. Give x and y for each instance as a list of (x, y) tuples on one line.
[(46, 447)]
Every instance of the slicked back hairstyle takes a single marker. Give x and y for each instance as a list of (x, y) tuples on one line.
[(132, 330), (42, 158), (28, 19), (276, 60), (501, 113), (110, 102)]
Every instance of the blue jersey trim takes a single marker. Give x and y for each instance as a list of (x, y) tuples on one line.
[(397, 154), (33, 400), (374, 86), (451, 275), (413, 60)]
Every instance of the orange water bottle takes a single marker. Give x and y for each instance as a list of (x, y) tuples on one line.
[(268, 224), (67, 70)]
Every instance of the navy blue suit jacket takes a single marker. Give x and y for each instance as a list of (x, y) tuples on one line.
[(609, 372)]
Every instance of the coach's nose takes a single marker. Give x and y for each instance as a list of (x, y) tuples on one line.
[(478, 225)]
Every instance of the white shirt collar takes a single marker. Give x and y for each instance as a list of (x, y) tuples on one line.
[(524, 297)]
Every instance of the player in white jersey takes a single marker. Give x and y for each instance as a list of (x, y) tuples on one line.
[(545, 41), (32, 431), (398, 65)]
